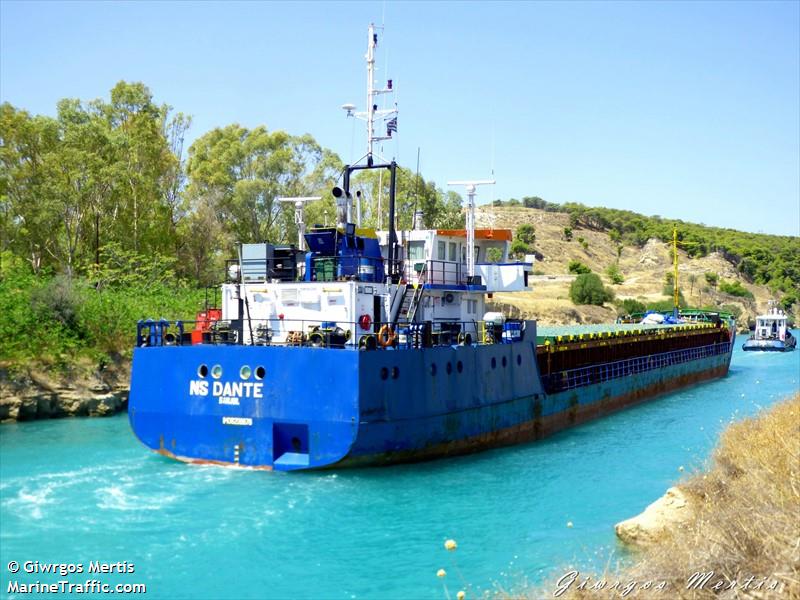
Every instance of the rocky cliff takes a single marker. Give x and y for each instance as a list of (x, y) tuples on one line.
[(37, 395)]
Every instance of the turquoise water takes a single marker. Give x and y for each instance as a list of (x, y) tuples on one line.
[(78, 490)]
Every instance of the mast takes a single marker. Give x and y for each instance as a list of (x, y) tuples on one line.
[(298, 215), (372, 111), (372, 43), (369, 115), (470, 189), (675, 291)]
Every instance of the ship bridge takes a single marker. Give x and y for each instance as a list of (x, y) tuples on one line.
[(437, 259)]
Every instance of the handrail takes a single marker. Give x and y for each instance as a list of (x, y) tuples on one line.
[(415, 299), (592, 374), (311, 332)]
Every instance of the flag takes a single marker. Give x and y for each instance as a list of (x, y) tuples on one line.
[(391, 125)]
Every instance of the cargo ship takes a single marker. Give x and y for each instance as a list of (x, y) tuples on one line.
[(361, 347)]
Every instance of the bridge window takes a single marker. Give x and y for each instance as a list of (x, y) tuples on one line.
[(441, 251), (416, 250), (452, 249)]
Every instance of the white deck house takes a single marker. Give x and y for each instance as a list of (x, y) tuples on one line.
[(438, 258)]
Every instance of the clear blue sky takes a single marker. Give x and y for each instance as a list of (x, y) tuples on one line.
[(683, 109)]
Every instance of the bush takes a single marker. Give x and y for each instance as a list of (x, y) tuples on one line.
[(576, 267), (59, 300), (735, 288), (667, 304), (614, 274), (526, 234), (669, 284), (588, 289), (568, 233), (56, 321), (734, 309), (711, 279), (630, 306), (519, 248), (788, 301)]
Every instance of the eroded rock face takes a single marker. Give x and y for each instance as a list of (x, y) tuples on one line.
[(34, 397), (672, 510)]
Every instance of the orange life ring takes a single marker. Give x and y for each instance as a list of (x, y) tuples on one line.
[(386, 336)]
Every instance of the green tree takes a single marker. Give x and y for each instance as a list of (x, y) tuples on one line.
[(692, 280), (614, 274), (577, 267), (669, 284), (526, 234), (240, 173), (735, 288), (630, 306), (519, 248), (588, 289)]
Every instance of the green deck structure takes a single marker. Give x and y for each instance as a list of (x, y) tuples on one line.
[(572, 333)]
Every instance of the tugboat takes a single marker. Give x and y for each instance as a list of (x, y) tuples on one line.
[(771, 333), (373, 348)]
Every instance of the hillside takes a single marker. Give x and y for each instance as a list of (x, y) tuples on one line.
[(643, 268)]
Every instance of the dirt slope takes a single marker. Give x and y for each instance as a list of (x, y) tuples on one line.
[(643, 268)]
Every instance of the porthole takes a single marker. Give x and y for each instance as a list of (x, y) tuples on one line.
[(433, 369), (505, 362), (202, 371), (449, 368), (384, 373), (395, 372), (459, 366), (494, 362), (260, 372), (519, 359), (245, 372), (216, 371)]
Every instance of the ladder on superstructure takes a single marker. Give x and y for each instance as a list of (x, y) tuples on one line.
[(411, 302)]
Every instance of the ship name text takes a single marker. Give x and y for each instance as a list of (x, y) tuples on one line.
[(229, 392)]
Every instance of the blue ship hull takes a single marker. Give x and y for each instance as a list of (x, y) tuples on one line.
[(319, 407)]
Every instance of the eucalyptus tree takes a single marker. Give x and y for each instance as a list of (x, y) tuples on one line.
[(240, 172)]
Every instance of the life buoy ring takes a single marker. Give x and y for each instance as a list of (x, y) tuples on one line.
[(386, 336)]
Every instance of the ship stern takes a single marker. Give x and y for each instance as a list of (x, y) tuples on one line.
[(281, 408)]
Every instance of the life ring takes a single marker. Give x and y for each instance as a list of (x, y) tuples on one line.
[(386, 336)]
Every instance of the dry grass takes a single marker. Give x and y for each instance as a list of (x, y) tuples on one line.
[(746, 525)]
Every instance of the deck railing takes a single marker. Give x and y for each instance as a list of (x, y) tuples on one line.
[(363, 334), (583, 376)]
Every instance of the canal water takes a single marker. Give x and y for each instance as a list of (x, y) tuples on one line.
[(81, 490)]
